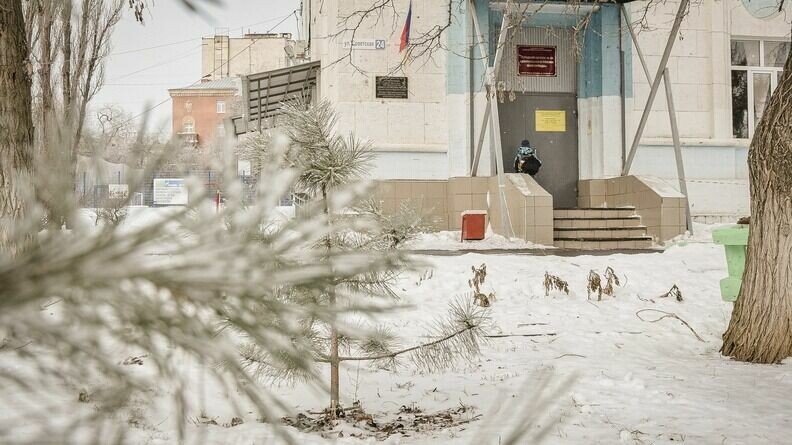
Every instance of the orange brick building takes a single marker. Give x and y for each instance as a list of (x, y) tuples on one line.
[(199, 110)]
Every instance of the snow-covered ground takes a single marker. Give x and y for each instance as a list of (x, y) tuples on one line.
[(636, 382), (451, 240)]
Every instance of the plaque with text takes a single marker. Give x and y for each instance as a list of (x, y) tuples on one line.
[(536, 61), (391, 87)]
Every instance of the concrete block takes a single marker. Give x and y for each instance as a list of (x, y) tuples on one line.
[(479, 184), (479, 201), (529, 216), (403, 189), (543, 201), (544, 235), (455, 220), (668, 232), (460, 203), (436, 189), (543, 215), (419, 189), (386, 189), (459, 186), (598, 187), (584, 187), (434, 206), (669, 216), (598, 201)]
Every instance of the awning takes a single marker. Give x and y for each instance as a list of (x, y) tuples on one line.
[(263, 93)]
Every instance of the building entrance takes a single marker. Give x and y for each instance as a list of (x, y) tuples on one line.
[(549, 122)]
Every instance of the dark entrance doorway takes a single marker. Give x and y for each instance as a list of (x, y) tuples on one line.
[(549, 121)]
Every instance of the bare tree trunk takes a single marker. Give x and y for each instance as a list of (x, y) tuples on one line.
[(16, 121), (46, 22), (66, 13), (334, 361), (760, 329)]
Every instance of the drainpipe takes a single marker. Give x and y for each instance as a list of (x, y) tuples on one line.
[(471, 100), (623, 93)]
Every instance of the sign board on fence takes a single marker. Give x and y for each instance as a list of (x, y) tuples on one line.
[(551, 120), (364, 44), (170, 192), (118, 191), (536, 60), (391, 87)]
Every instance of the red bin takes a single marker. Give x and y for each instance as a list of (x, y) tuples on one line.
[(474, 224)]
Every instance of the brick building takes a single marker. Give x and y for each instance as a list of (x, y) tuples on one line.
[(199, 110)]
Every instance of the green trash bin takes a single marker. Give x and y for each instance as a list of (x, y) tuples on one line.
[(735, 240)]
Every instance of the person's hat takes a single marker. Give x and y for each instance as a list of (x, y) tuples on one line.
[(525, 143)]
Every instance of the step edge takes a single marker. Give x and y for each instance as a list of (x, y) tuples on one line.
[(569, 229)]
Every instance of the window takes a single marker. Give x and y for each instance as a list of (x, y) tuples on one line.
[(221, 107), (188, 125), (188, 106), (220, 129), (756, 67)]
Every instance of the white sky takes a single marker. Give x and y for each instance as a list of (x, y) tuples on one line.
[(140, 79)]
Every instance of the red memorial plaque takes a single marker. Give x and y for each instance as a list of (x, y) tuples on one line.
[(536, 60)]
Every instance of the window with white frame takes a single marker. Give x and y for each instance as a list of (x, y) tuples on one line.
[(756, 67), (188, 126), (221, 107)]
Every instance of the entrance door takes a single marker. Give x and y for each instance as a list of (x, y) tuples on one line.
[(549, 122)]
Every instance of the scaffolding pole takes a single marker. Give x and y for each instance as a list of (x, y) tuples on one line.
[(683, 4), (491, 115), (671, 109)]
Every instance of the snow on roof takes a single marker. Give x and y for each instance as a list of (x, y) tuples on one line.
[(228, 83)]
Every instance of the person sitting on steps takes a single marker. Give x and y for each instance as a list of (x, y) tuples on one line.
[(526, 160)]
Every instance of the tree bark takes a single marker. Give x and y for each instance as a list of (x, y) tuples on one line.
[(46, 22), (334, 360), (66, 13), (16, 121), (760, 330)]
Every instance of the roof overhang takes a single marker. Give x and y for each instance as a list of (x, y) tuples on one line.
[(553, 7), (264, 93)]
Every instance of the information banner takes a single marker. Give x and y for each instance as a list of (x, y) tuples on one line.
[(551, 120), (170, 192)]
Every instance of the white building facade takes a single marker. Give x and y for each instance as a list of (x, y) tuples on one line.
[(422, 109)]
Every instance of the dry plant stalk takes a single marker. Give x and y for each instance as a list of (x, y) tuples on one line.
[(479, 275), (674, 292), (668, 315), (611, 278), (554, 282), (595, 283)]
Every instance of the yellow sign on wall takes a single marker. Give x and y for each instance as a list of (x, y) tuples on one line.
[(550, 120)]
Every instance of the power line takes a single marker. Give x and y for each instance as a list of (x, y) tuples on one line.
[(254, 40), (130, 51), (151, 47), (164, 62)]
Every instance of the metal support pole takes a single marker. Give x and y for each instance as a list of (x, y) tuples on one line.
[(477, 156), (492, 105), (683, 4), (671, 116), (677, 146), (485, 61)]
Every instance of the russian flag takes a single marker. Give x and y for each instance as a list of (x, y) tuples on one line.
[(405, 36)]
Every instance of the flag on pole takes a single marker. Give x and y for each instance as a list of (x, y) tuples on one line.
[(405, 36)]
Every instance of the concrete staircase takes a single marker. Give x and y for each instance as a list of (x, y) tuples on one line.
[(599, 228)]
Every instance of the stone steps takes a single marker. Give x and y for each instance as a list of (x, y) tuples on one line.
[(599, 229)]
